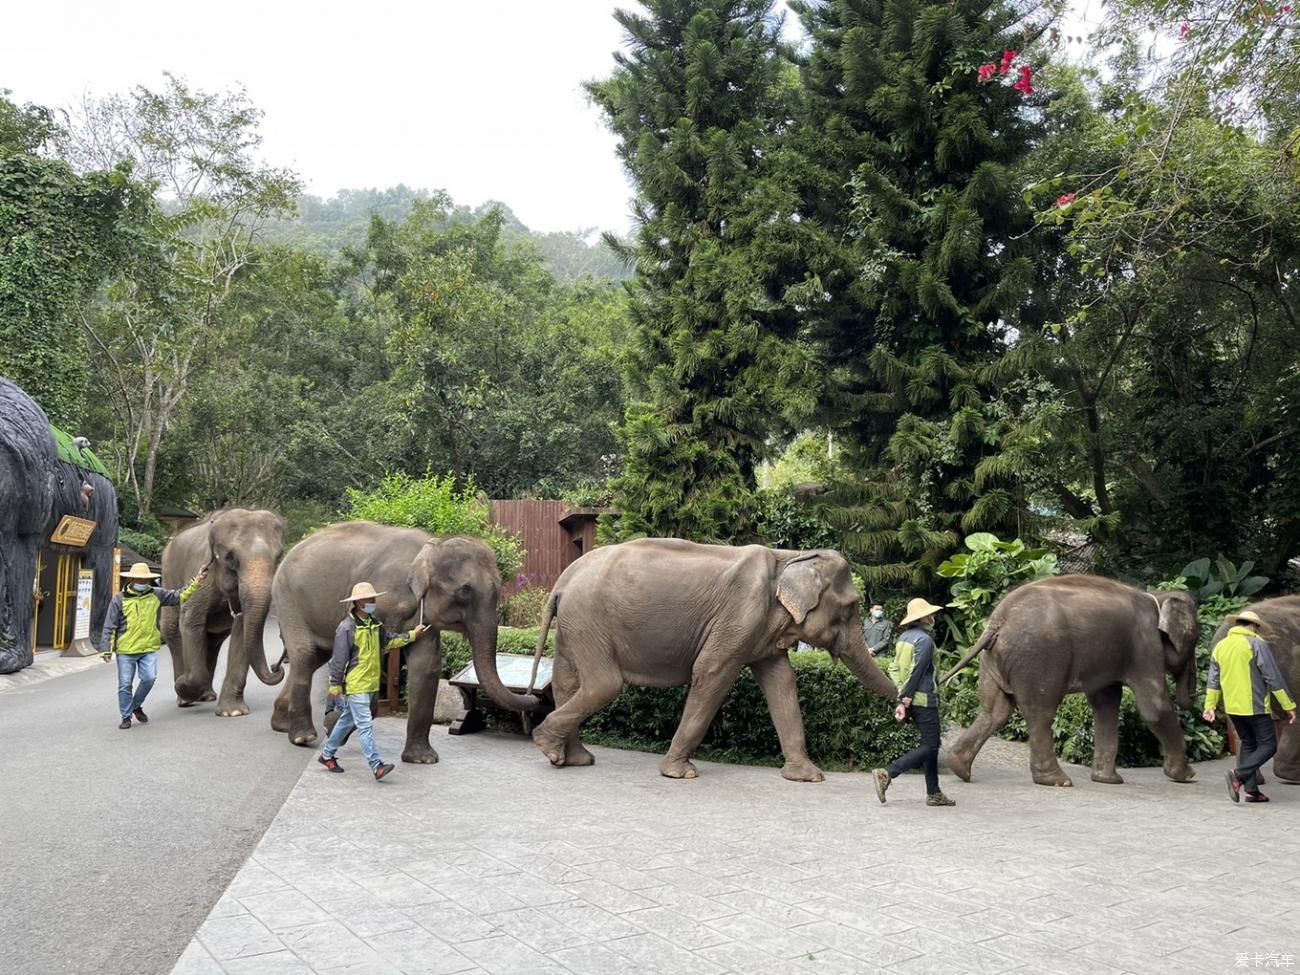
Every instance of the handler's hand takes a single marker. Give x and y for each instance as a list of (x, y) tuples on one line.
[(1208, 714), (107, 655), (420, 628), (900, 713), (203, 573), (1290, 719)]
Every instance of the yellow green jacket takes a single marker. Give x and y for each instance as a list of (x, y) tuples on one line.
[(133, 623), (1244, 675), (358, 644), (912, 669)]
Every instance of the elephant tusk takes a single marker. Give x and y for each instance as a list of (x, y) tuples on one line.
[(231, 607)]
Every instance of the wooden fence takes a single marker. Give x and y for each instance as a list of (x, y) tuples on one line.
[(553, 532)]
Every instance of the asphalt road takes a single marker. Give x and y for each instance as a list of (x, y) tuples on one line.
[(114, 845)]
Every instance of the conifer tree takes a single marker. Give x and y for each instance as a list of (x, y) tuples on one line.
[(700, 102), (919, 114)]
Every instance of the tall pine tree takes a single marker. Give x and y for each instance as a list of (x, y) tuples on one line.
[(919, 149), (701, 102)]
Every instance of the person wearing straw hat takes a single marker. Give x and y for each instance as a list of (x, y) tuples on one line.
[(133, 631), (918, 700), (359, 642), (1246, 678)]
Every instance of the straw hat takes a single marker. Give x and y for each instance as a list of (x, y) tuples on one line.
[(1247, 616), (919, 609), (140, 571), (362, 590)]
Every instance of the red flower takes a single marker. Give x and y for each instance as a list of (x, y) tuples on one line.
[(1185, 30), (987, 71), (1065, 199), (1007, 58), (1025, 83), (1286, 8)]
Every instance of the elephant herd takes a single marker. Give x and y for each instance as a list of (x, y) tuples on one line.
[(663, 612)]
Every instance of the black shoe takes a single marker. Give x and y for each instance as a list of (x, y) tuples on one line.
[(329, 763), (381, 771), (126, 723), (141, 716)]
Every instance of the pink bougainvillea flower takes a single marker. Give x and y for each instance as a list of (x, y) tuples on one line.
[(1025, 83), (1007, 58), (987, 71), (1185, 30), (1065, 199), (1286, 8)]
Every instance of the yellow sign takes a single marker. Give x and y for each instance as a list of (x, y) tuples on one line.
[(73, 531)]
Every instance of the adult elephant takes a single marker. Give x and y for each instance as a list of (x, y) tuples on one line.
[(1281, 629), (1081, 633), (660, 612), (242, 547), (447, 583)]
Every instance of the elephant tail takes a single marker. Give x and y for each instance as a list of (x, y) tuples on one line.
[(548, 614), (986, 640)]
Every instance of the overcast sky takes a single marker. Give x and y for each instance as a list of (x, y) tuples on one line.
[(482, 99)]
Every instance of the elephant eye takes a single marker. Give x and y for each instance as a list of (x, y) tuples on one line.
[(464, 593)]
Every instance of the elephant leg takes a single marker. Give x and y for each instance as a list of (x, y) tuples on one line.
[(775, 678), (231, 703), (1105, 733), (1043, 763), (1286, 763), (423, 667), (1157, 711), (564, 684), (211, 650), (594, 686), (193, 684), (280, 711), (303, 663), (171, 632), (995, 710), (711, 681)]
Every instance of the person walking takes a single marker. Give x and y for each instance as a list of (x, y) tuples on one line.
[(359, 642), (1245, 677), (918, 700), (133, 631), (877, 631)]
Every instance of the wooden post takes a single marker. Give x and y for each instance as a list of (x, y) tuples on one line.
[(392, 699)]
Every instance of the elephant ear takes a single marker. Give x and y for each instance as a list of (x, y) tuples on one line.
[(799, 587), (420, 577)]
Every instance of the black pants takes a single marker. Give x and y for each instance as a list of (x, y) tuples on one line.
[(1258, 745), (927, 753)]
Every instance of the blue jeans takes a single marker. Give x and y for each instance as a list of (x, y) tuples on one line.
[(354, 712), (127, 665)]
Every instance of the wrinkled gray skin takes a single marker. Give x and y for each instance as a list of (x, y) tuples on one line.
[(1281, 631), (458, 580), (660, 612), (241, 547), (1080, 633)]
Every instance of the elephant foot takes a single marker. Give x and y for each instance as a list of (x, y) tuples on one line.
[(1107, 777), (1181, 773), (678, 769), (577, 756), (182, 702), (420, 753), (959, 765), (804, 771), (1291, 776), (1057, 778), (553, 748), (303, 736), (236, 710), (208, 696), (279, 721)]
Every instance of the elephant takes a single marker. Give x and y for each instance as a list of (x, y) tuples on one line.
[(243, 547), (1082, 633), (661, 612), (448, 583), (1281, 629)]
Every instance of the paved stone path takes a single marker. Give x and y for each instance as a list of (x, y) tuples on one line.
[(493, 862)]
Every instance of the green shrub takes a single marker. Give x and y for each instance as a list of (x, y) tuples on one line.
[(149, 546), (523, 607), (456, 653), (438, 506)]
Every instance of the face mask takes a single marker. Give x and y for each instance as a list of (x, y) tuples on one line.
[(369, 608), (876, 614), (140, 587)]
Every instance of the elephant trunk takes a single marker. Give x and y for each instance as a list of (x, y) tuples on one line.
[(856, 657), (255, 601), (482, 638), (1185, 685)]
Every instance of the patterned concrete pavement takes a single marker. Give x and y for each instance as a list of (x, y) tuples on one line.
[(494, 862)]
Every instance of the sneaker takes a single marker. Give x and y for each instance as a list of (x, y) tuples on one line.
[(126, 723), (329, 763), (939, 799), (1234, 785), (381, 771), (882, 782), (1256, 797), (141, 716)]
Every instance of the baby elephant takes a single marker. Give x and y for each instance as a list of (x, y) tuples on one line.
[(660, 612), (1080, 633)]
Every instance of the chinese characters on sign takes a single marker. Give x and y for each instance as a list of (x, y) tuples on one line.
[(1264, 959)]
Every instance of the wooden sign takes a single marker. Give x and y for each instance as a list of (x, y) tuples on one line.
[(73, 531)]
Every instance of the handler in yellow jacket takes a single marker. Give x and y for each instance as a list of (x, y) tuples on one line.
[(1244, 675), (359, 643)]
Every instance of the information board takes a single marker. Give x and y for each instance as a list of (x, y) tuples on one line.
[(514, 671), (85, 589)]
